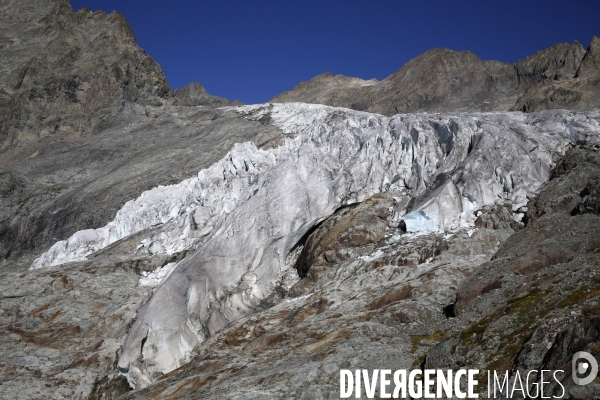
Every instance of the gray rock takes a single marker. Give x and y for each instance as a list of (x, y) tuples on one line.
[(343, 235), (62, 329), (580, 93), (68, 73), (591, 60), (573, 187), (444, 80), (53, 188), (535, 304), (194, 94), (497, 216)]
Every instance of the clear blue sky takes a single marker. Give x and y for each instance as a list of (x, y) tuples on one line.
[(253, 50)]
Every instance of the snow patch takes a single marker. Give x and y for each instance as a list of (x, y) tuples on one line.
[(373, 256), (154, 278), (294, 299)]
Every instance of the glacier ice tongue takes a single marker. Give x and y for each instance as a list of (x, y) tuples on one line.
[(247, 212)]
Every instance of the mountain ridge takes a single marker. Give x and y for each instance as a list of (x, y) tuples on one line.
[(194, 94), (446, 80)]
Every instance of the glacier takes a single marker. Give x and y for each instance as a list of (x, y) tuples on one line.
[(243, 217), (418, 221)]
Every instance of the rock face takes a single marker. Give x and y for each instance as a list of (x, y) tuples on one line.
[(557, 63), (536, 302), (573, 188), (334, 90), (70, 73), (63, 328), (445, 80), (51, 189), (339, 238), (194, 94), (581, 92), (591, 61)]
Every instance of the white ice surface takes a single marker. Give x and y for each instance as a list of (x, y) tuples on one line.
[(418, 221), (154, 278), (247, 212)]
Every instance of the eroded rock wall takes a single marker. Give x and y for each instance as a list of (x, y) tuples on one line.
[(70, 73), (535, 304), (562, 76)]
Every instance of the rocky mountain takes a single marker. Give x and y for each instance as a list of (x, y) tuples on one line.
[(194, 94), (160, 244), (87, 123), (578, 93), (562, 76), (68, 73)]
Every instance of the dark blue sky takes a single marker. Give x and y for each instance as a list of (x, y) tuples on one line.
[(253, 50)]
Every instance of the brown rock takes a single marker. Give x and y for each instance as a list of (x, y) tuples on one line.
[(590, 65), (391, 298), (63, 329), (340, 237), (443, 80), (496, 216), (573, 188), (582, 92)]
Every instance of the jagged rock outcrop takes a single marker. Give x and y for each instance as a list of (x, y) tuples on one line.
[(445, 80), (590, 65), (580, 93), (499, 216), (557, 63), (573, 187), (334, 90), (70, 73), (194, 94), (344, 235), (535, 304), (514, 310)]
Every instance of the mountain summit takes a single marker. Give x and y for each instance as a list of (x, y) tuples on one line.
[(562, 76)]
